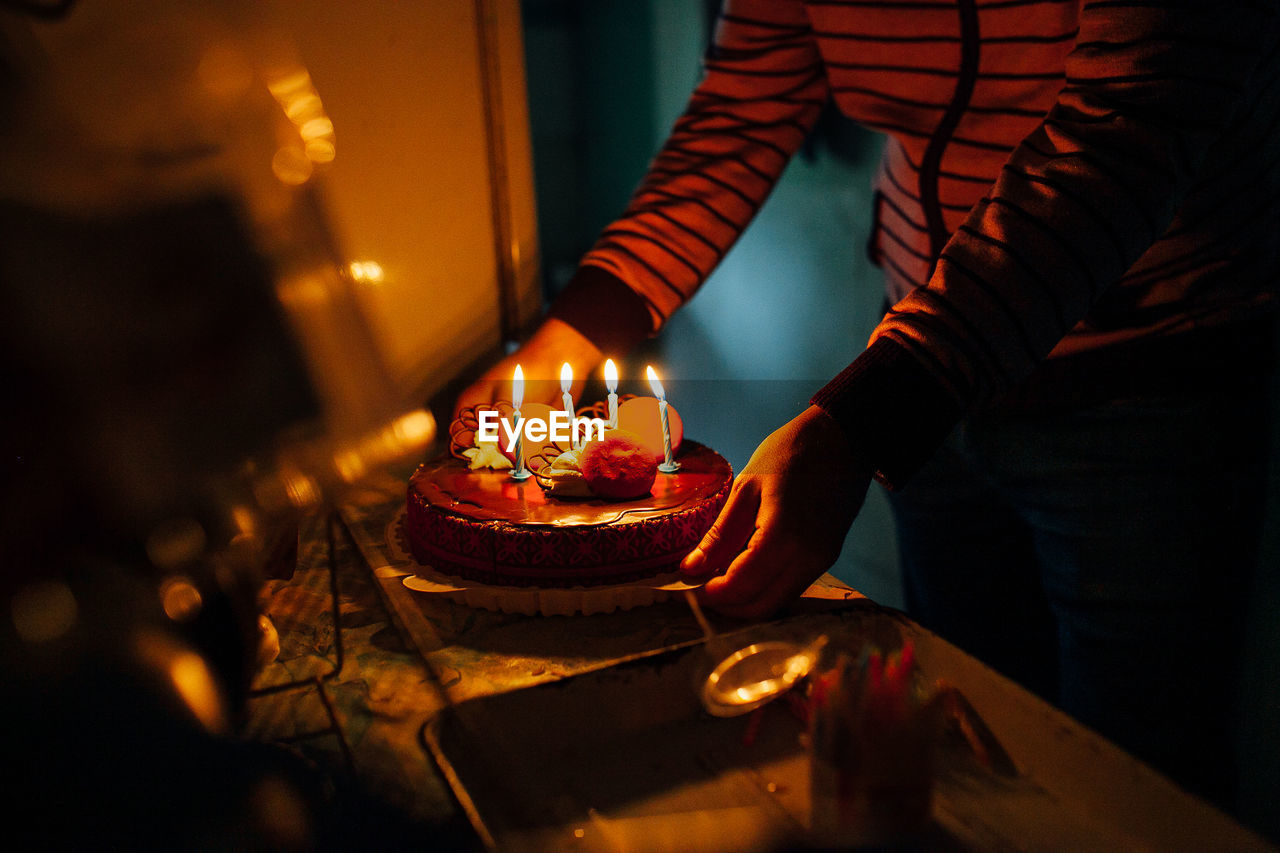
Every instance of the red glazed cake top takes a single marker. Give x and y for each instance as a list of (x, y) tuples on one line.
[(488, 495)]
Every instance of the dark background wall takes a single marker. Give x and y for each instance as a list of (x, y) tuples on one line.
[(792, 303)]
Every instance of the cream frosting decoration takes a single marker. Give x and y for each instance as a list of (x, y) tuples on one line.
[(486, 455), (563, 477)]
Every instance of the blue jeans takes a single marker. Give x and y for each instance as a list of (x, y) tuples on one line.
[(1100, 557)]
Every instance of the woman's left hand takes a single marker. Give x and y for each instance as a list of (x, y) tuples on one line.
[(785, 521)]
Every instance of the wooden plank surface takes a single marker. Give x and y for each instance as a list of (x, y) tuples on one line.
[(535, 763)]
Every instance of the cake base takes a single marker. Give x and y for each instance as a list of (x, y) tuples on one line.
[(483, 526), (529, 601)]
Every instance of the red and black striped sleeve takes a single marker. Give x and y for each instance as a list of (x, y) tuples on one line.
[(1150, 86), (760, 95)]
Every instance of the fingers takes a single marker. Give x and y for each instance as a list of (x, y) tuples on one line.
[(761, 585), (746, 584), (767, 575), (785, 522), (768, 572), (729, 533)]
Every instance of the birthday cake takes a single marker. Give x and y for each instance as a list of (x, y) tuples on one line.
[(591, 514)]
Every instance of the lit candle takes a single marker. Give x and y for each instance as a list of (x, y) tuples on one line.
[(611, 383), (566, 382), (669, 465), (517, 397)]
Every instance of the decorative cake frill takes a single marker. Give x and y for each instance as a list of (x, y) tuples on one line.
[(462, 439)]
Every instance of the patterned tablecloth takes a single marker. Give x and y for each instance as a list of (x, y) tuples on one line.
[(404, 655)]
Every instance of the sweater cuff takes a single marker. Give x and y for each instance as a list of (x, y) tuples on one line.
[(892, 410), (604, 309)]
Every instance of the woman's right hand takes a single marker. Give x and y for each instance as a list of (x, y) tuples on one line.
[(540, 359)]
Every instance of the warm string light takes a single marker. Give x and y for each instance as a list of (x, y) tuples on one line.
[(314, 145)]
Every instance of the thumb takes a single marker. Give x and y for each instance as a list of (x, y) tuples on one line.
[(728, 535)]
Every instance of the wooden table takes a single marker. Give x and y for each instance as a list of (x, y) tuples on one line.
[(410, 661)]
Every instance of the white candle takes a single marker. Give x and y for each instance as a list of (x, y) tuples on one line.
[(611, 383), (566, 383), (517, 397), (669, 465)]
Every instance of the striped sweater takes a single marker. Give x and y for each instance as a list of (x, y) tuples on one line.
[(1061, 178)]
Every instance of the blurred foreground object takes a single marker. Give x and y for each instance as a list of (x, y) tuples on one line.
[(185, 371), (874, 737), (178, 316)]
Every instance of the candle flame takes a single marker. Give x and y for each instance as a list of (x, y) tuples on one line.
[(610, 376), (655, 383), (517, 389), (566, 377)]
